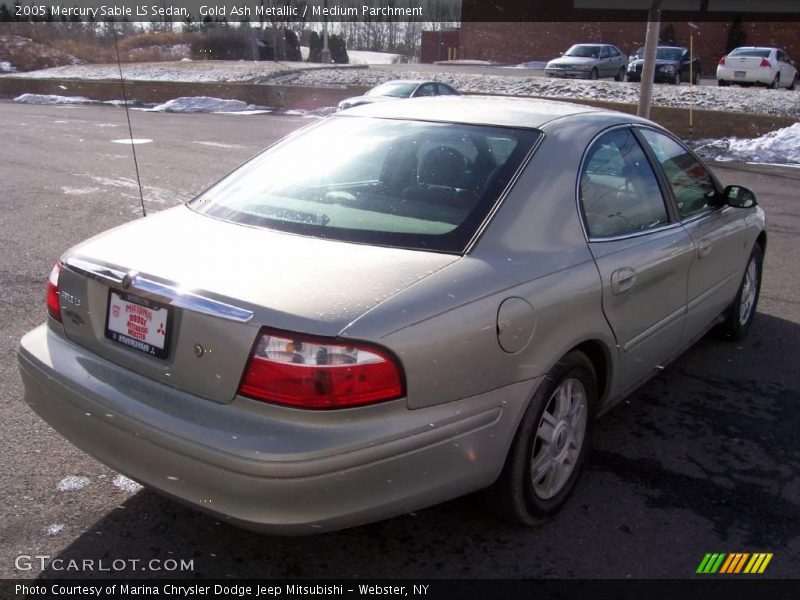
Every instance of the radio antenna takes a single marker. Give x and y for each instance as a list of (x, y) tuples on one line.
[(128, 117)]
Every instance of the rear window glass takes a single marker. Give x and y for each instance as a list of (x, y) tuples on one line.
[(751, 52), (386, 182)]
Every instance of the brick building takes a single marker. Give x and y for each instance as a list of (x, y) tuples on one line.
[(523, 41)]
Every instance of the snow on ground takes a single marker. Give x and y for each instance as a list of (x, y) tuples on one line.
[(126, 485), (212, 71), (204, 104), (777, 147), (72, 483), (54, 529), (6, 67), (752, 100), (365, 57), (53, 99)]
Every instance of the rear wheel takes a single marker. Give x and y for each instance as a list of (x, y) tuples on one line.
[(595, 74), (775, 82), (793, 85), (620, 74), (743, 309), (723, 83), (696, 78), (550, 446), (677, 78)]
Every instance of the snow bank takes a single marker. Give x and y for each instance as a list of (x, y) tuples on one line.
[(5, 67), (365, 57), (126, 485), (777, 147), (203, 104), (53, 99)]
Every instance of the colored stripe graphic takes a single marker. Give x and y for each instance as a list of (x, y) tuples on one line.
[(734, 563)]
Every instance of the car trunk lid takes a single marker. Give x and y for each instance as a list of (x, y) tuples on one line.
[(202, 288)]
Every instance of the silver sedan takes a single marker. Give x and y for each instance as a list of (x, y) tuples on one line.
[(400, 304)]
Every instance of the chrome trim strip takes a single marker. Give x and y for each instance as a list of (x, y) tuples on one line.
[(635, 234), (710, 291), (668, 320), (175, 296)]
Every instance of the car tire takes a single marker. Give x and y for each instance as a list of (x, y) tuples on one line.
[(678, 78), (793, 86), (741, 313), (723, 83), (620, 74), (776, 82), (552, 439), (594, 74), (696, 78), (632, 79)]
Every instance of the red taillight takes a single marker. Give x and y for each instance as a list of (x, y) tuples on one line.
[(722, 62), (765, 63), (307, 372), (53, 304)]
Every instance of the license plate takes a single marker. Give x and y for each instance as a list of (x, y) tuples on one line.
[(740, 74), (138, 323)]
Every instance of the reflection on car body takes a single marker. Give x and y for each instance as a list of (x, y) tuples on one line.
[(403, 303)]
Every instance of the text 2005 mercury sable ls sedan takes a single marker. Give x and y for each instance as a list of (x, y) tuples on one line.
[(395, 306)]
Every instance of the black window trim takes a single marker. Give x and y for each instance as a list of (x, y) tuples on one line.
[(662, 175), (666, 195)]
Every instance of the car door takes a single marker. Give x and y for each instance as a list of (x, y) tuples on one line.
[(641, 251), (719, 232), (605, 66)]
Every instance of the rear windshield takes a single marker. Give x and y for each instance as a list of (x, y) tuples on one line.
[(663, 53), (386, 182), (396, 90), (757, 52), (582, 51)]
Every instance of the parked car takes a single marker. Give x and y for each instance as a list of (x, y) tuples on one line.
[(753, 65), (401, 88), (589, 61), (404, 302), (673, 65)]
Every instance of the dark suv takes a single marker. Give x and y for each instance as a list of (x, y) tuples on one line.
[(672, 65)]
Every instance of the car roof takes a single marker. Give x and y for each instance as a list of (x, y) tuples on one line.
[(407, 81), (476, 110)]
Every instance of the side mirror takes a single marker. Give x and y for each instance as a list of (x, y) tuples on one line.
[(739, 197)]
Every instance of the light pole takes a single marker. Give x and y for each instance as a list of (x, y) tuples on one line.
[(649, 67), (692, 28), (325, 55)]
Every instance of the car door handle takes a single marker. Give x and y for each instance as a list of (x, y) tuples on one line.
[(622, 280), (703, 248)]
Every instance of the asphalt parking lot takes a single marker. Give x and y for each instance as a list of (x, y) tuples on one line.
[(704, 458)]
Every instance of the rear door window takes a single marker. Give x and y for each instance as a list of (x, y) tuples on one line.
[(619, 192)]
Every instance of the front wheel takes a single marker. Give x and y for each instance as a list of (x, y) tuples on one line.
[(696, 78), (741, 313), (550, 446), (595, 74)]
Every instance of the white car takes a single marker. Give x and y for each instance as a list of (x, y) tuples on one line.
[(753, 65)]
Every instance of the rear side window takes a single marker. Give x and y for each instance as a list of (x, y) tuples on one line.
[(619, 192), (692, 186), (388, 182)]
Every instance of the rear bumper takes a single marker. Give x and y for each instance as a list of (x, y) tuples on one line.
[(266, 467), (762, 76)]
